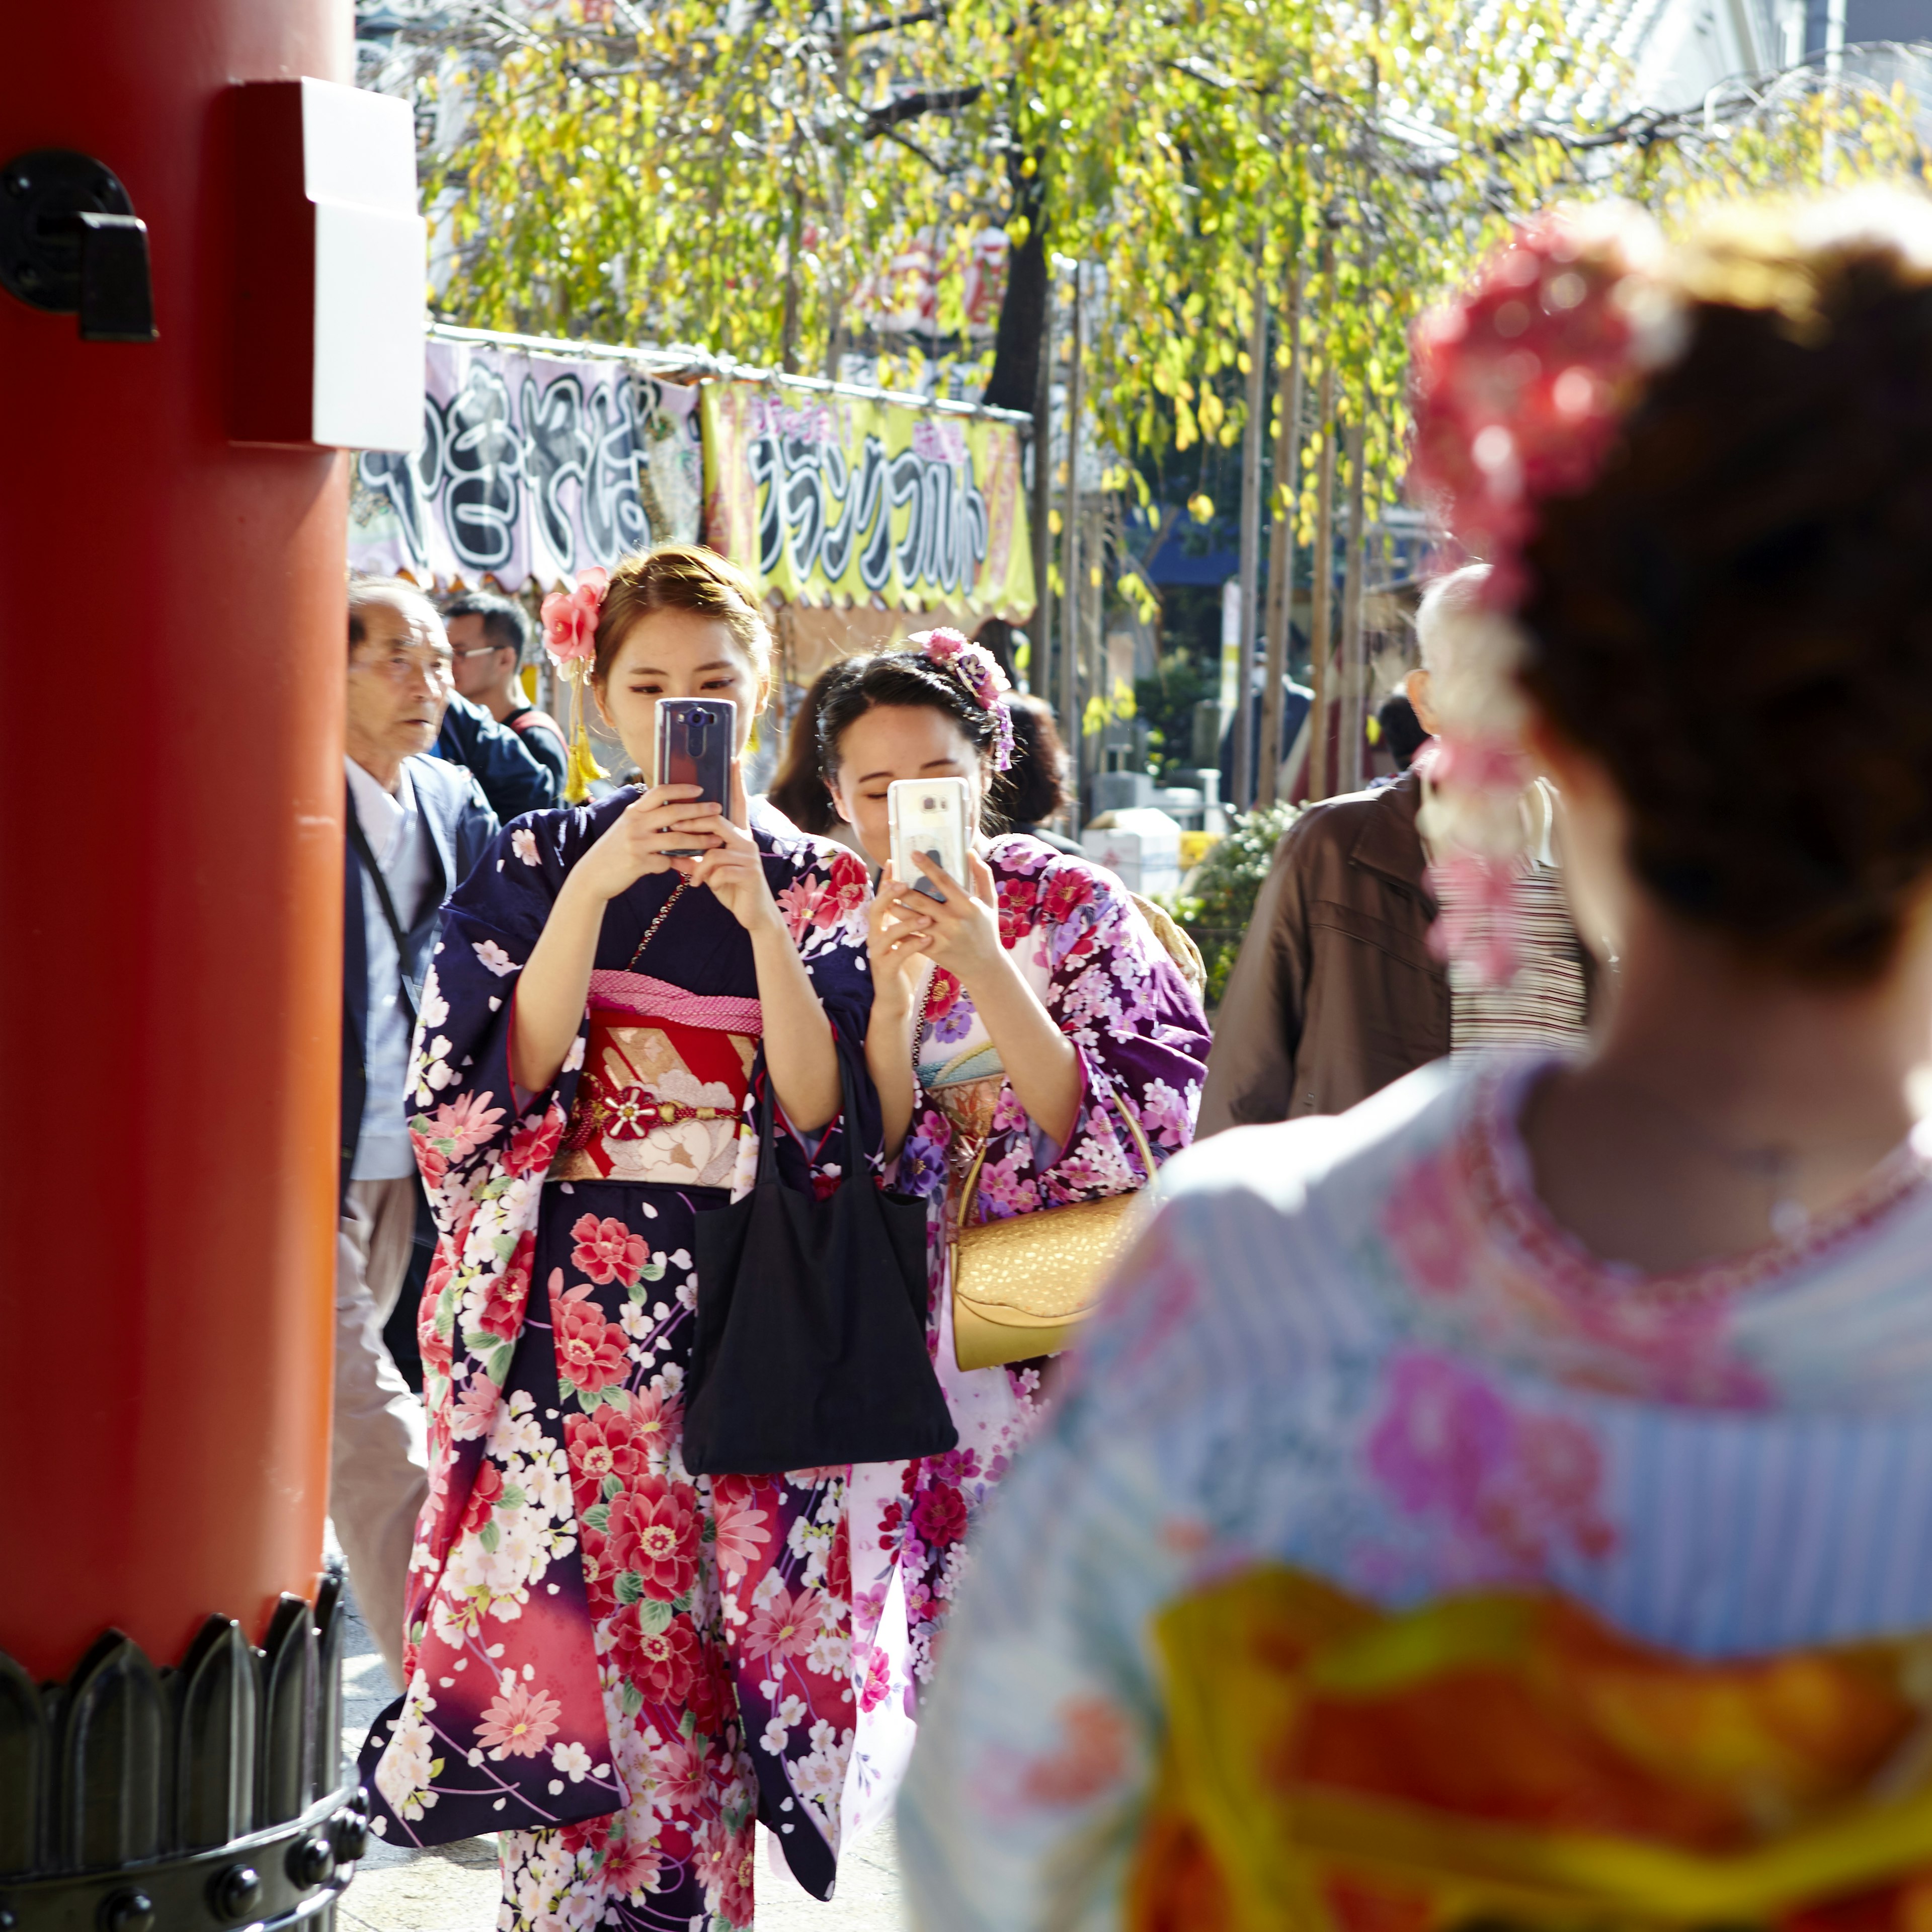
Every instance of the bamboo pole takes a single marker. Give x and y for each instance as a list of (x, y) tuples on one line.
[(1244, 774), (1354, 668), (1040, 652), (1321, 616), (1281, 547), (1069, 606)]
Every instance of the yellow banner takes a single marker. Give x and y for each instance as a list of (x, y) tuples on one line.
[(835, 500)]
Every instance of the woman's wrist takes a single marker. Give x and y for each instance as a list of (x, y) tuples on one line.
[(581, 895), (998, 976), (767, 925)]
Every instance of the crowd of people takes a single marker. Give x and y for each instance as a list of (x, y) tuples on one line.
[(1489, 1489)]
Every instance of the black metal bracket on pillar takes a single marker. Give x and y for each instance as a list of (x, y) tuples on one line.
[(206, 1797), (71, 243)]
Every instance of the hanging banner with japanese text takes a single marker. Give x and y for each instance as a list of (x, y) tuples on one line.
[(529, 467), (839, 500)]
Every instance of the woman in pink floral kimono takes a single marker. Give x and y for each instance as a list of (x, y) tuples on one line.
[(615, 1665), (1022, 1016)]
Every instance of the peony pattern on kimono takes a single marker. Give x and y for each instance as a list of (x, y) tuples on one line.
[(1142, 1041), (581, 1610)]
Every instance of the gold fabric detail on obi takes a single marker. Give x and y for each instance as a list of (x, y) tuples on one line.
[(641, 1114), (969, 1104)]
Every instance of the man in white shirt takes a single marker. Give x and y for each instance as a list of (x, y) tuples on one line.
[(415, 826)]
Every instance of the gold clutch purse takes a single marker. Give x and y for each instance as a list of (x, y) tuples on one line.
[(1022, 1287)]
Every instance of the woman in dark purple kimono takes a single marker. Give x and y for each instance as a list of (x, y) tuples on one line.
[(615, 1665), (1022, 1016)]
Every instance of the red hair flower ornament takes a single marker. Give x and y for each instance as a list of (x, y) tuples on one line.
[(1519, 385), (570, 619)]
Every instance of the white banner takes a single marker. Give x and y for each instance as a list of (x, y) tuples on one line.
[(530, 466)]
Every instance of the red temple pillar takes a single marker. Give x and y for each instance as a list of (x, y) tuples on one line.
[(170, 950)]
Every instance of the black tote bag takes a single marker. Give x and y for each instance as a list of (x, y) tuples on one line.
[(811, 1343)]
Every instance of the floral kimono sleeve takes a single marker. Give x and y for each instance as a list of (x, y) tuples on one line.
[(1141, 1035), (484, 1144)]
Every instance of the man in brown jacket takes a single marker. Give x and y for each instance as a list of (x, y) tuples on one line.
[(1336, 991)]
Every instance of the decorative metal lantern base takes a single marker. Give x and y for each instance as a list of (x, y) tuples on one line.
[(208, 1798)]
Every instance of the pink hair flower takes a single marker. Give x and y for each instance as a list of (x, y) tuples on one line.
[(985, 683), (570, 620)]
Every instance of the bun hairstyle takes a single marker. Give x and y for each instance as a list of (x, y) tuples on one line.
[(1035, 789), (680, 577), (1735, 614), (908, 679)]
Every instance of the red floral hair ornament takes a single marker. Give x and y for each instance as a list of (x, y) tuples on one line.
[(977, 669), (570, 619), (1519, 383)]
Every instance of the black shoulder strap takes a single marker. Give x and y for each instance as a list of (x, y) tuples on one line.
[(360, 840)]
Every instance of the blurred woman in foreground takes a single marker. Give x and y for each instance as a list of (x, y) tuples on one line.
[(1512, 1501)]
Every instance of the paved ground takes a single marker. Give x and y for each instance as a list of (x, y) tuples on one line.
[(454, 1889)]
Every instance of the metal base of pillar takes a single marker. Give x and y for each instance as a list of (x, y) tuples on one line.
[(208, 1798)]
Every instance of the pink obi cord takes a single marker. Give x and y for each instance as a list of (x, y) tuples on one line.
[(644, 998)]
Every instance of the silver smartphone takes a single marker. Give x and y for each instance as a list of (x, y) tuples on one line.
[(929, 815)]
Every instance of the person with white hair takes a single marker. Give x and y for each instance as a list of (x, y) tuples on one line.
[(1341, 986)]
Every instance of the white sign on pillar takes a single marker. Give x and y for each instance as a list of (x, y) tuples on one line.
[(331, 262), (1230, 646)]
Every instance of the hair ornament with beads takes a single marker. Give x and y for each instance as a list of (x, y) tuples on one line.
[(570, 619), (978, 673)]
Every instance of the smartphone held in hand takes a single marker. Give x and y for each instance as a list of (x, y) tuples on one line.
[(928, 815), (695, 737)]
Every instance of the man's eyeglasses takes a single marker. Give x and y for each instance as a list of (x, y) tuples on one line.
[(479, 651)]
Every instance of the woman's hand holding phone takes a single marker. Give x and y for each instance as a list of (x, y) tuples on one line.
[(734, 870), (960, 931), (896, 931), (634, 845)]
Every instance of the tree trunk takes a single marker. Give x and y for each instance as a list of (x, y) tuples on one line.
[(794, 241), (1244, 774), (1071, 588), (1023, 325), (1281, 548), (1321, 621), (1040, 657), (1355, 668)]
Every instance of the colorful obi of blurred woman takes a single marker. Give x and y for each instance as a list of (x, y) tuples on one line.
[(1510, 1502), (615, 1666), (1018, 1017)]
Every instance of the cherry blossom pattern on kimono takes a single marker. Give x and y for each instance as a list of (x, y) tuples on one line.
[(503, 1724)]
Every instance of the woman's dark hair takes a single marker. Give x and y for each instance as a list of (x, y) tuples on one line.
[(798, 786), (1034, 789), (1736, 616), (859, 685), (681, 577)]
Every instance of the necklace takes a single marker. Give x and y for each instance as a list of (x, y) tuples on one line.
[(651, 931), (1774, 1163)]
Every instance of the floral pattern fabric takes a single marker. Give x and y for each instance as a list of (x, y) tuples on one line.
[(1357, 1348), (616, 1666), (1142, 1040)]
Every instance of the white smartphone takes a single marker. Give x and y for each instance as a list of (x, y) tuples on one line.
[(928, 815)]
